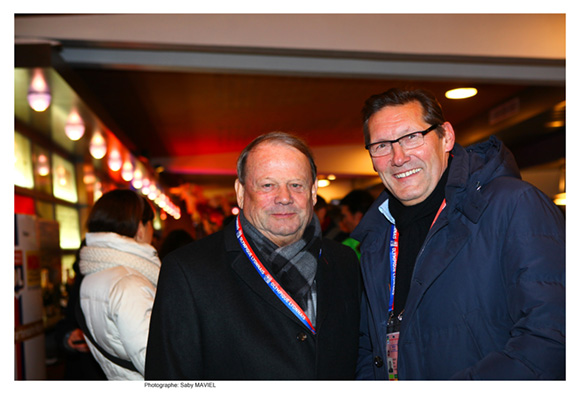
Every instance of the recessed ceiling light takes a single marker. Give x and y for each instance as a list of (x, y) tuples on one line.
[(460, 93)]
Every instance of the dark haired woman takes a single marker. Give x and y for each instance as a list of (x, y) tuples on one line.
[(120, 269)]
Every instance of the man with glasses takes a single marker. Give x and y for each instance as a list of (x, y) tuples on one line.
[(463, 262)]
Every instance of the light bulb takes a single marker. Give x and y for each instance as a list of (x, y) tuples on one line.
[(74, 127), (98, 146), (43, 169), (38, 93), (145, 189), (115, 162), (127, 171), (137, 179)]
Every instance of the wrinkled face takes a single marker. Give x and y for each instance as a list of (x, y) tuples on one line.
[(412, 175), (278, 196)]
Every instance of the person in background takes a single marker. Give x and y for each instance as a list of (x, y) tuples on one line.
[(174, 240), (267, 297), (79, 362), (120, 269), (320, 210), (463, 262), (329, 216), (353, 206)]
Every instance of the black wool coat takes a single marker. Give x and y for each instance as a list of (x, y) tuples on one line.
[(214, 318)]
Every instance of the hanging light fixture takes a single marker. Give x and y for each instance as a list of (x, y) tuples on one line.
[(89, 174), (98, 145), (74, 127), (153, 192), (137, 181), (127, 171), (38, 92), (43, 168), (115, 161), (146, 186)]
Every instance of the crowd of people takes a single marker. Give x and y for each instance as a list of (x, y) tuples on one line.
[(455, 271)]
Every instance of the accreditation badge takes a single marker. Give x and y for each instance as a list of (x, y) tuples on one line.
[(393, 331), (392, 354)]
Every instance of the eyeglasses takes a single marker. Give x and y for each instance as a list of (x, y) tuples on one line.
[(408, 141)]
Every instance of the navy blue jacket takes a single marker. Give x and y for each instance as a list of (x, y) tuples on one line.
[(487, 296)]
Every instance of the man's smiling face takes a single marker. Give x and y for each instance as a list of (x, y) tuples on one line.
[(411, 175)]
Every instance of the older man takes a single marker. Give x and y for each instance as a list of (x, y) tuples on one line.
[(267, 297), (463, 262)]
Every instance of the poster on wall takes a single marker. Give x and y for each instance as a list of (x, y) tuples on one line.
[(29, 340)]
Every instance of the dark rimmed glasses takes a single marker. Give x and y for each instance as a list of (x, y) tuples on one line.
[(408, 141)]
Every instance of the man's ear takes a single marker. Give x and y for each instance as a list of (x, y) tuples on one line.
[(239, 193), (449, 136), (314, 192)]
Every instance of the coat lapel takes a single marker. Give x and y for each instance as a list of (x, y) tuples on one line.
[(323, 289), (451, 236)]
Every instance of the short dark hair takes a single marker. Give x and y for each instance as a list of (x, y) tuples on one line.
[(120, 211), (358, 200), (432, 111), (320, 203), (279, 137)]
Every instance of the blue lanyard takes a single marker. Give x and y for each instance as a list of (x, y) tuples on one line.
[(393, 256), (270, 281)]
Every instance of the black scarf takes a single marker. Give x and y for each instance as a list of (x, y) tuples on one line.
[(413, 223), (293, 266)]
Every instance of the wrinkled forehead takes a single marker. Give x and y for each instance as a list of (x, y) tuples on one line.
[(397, 120), (270, 152)]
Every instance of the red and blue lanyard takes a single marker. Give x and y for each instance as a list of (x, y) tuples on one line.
[(394, 255), (269, 279)]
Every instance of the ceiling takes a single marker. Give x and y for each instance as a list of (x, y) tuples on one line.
[(193, 120)]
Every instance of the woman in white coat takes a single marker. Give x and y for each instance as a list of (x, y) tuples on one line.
[(120, 268)]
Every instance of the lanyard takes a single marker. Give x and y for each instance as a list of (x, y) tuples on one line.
[(394, 255), (269, 279)]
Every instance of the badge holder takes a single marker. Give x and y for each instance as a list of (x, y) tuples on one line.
[(393, 330)]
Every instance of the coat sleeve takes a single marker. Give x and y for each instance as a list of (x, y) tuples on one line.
[(533, 260), (173, 350)]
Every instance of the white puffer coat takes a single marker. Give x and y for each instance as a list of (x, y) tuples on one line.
[(116, 297)]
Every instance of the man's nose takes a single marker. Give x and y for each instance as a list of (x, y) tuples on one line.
[(399, 156), (284, 196)]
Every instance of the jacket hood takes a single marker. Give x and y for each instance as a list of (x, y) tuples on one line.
[(483, 162), (472, 169)]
